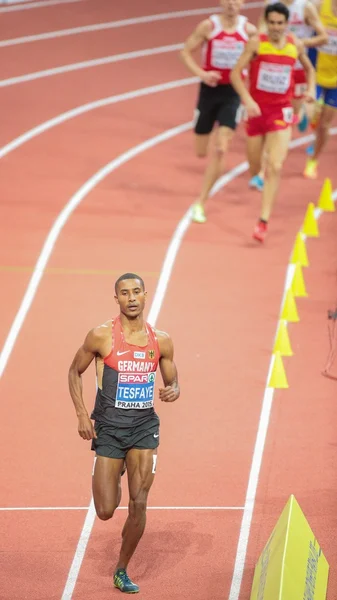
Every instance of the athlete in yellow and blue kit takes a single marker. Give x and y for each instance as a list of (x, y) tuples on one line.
[(326, 77)]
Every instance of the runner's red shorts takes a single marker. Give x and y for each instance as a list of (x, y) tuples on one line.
[(273, 118)]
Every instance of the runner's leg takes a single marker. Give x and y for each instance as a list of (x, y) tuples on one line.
[(141, 472), (277, 145), (322, 135), (106, 485), (215, 167)]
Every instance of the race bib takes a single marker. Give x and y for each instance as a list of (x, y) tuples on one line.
[(288, 114), (331, 46), (135, 390), (300, 89), (274, 78), (226, 53)]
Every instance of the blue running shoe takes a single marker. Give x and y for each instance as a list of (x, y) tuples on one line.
[(310, 150), (303, 123), (256, 182), (124, 583)]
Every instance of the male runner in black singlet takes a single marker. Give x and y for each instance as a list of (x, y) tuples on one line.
[(127, 351)]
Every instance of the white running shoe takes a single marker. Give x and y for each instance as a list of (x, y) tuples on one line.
[(198, 213)]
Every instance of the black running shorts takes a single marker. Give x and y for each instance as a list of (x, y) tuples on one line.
[(114, 442), (219, 104)]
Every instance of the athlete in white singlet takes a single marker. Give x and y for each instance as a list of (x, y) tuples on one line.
[(222, 39)]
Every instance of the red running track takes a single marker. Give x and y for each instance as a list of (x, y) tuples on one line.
[(221, 308)]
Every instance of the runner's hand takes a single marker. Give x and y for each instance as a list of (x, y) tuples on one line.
[(253, 109), (211, 78), (167, 394), (309, 97), (86, 428)]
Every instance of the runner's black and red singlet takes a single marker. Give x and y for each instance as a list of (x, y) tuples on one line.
[(129, 372)]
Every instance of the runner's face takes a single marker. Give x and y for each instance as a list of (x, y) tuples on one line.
[(231, 8), (276, 25), (130, 297)]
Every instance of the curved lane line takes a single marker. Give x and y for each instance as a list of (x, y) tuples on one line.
[(84, 108), (117, 24), (31, 5), (157, 302), (58, 225), (105, 60)]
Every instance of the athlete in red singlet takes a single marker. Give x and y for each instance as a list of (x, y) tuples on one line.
[(127, 351), (222, 39), (304, 22), (272, 58)]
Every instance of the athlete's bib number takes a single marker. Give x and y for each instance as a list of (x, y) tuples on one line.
[(274, 78), (300, 89), (288, 114), (331, 46), (226, 53), (135, 390)]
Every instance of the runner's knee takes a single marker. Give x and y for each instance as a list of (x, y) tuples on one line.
[(324, 125), (220, 149), (137, 507), (201, 152), (326, 118), (222, 143), (274, 166), (105, 508), (105, 513)]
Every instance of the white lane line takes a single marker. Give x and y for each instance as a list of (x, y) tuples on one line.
[(24, 508), (105, 60), (117, 24), (158, 299), (51, 123), (185, 222), (152, 318), (153, 313), (80, 110), (175, 244), (190, 507), (261, 436), (25, 5), (37, 508), (59, 224)]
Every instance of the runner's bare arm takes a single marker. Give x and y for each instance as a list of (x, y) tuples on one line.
[(239, 85), (193, 43), (310, 74), (312, 18), (168, 369), (261, 22), (250, 29), (92, 345)]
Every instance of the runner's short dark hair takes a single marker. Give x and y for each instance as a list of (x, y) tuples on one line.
[(129, 276), (279, 8)]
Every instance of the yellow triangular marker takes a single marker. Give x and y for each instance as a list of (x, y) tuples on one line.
[(289, 310), (325, 200), (299, 254), (278, 378), (298, 285), (282, 342), (310, 227), (292, 563)]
